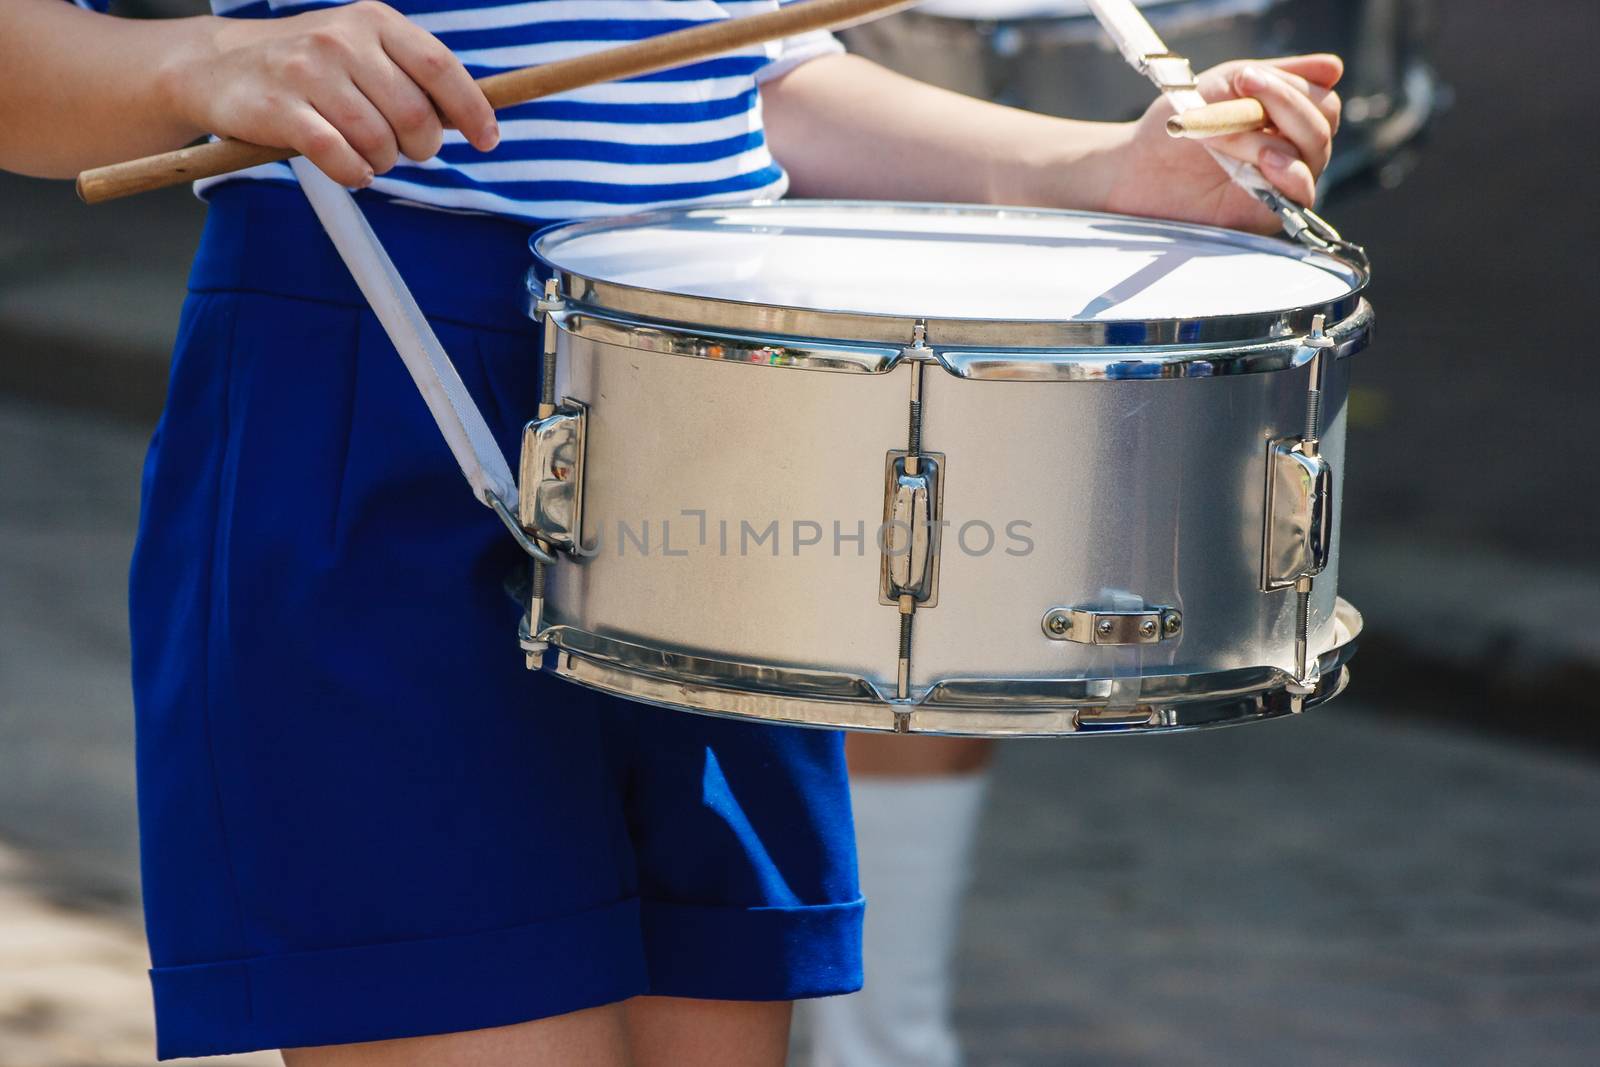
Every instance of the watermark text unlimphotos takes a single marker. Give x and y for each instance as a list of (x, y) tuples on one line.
[(693, 531)]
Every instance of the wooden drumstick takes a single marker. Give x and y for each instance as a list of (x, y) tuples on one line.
[(512, 87), (1243, 115)]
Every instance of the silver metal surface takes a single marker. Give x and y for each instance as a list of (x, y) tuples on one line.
[(511, 523), (1168, 71), (700, 342), (820, 339), (909, 537), (545, 307), (1302, 224), (1301, 470), (1109, 626), (976, 707), (1155, 488), (1297, 527), (1153, 484), (1090, 356), (551, 475), (732, 516), (703, 478), (1062, 64)]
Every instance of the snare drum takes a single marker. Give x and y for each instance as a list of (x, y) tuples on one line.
[(1052, 56), (938, 469)]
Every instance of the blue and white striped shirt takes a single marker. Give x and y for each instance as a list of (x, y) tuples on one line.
[(684, 136)]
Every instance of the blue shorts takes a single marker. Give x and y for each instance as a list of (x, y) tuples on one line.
[(361, 816)]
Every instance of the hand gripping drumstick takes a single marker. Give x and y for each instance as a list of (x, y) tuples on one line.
[(1244, 115), (512, 87), (1142, 47)]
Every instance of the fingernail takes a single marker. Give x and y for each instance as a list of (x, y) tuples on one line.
[(366, 179), (491, 137), (1275, 159), (1252, 80)]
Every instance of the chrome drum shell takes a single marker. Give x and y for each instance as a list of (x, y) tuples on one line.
[(726, 471)]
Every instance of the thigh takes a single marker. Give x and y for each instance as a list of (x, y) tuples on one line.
[(673, 1031), (597, 1037), (896, 756)]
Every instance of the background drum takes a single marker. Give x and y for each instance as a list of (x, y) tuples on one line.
[(1052, 56), (1114, 443)]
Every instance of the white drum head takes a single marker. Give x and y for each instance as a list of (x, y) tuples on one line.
[(951, 263)]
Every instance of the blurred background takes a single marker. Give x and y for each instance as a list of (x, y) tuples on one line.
[(1408, 876)]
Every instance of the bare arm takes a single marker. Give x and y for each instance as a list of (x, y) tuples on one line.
[(351, 87), (80, 89), (845, 127)]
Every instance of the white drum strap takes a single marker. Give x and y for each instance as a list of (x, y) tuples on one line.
[(1144, 50), (452, 407)]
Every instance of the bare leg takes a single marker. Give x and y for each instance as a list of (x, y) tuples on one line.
[(676, 1031), (904, 757), (596, 1037)]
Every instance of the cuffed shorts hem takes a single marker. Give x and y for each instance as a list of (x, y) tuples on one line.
[(772, 953), (401, 989), (502, 977)]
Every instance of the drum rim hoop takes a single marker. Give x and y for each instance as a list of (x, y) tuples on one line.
[(682, 312), (828, 700), (1079, 364)]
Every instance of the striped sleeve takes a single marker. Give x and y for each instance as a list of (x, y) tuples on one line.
[(93, 5)]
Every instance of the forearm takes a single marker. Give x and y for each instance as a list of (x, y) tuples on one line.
[(78, 89), (843, 126)]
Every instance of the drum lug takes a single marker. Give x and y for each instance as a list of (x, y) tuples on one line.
[(550, 497), (913, 514), (1298, 522), (550, 505), (1298, 529), (1092, 626), (550, 502), (913, 508)]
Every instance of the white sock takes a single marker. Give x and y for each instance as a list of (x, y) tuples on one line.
[(914, 837)]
